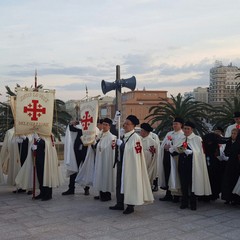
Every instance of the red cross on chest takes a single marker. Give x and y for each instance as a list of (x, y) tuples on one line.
[(86, 120), (138, 147), (34, 110)]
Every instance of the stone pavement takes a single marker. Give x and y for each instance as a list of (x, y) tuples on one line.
[(81, 217)]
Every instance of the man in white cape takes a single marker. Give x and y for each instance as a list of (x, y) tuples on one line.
[(192, 167), (10, 157), (236, 117), (105, 173), (133, 186), (168, 164), (150, 150)]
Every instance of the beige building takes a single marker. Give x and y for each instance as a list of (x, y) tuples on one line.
[(136, 103), (200, 94), (222, 83)]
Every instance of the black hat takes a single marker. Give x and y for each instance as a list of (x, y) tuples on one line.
[(236, 114), (133, 119), (107, 120), (146, 127), (189, 124), (100, 121), (219, 128), (178, 119)]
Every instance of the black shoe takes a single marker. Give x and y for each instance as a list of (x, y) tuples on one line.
[(38, 197), (106, 199), (175, 199), (155, 189), (96, 197), (183, 206), (193, 207), (19, 191), (86, 191), (68, 192), (29, 192), (166, 198), (128, 210), (46, 198), (117, 207)]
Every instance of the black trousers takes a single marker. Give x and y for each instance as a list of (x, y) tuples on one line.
[(45, 192), (185, 175), (119, 195), (166, 167)]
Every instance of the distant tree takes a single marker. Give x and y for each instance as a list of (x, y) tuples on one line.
[(60, 119), (223, 116), (188, 109)]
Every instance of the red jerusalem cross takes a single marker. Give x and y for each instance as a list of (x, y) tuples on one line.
[(138, 147), (86, 120), (34, 110)]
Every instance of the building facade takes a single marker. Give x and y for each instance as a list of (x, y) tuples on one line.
[(201, 94), (222, 83)]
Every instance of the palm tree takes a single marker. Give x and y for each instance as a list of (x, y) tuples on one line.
[(188, 109), (238, 85), (224, 115), (60, 118)]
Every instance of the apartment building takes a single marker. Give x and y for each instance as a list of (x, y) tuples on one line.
[(222, 83)]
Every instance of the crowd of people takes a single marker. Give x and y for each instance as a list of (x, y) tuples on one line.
[(131, 165)]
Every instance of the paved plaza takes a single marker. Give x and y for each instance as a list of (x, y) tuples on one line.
[(81, 217)]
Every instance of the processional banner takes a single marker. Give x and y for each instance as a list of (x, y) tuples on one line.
[(88, 116), (34, 111)]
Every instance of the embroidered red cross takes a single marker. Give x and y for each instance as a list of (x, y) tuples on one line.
[(138, 147), (86, 120), (34, 110), (152, 150)]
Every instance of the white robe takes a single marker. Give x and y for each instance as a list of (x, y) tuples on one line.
[(86, 170), (236, 189), (135, 183), (10, 157), (24, 179), (228, 132), (69, 155), (150, 149), (174, 182), (105, 174), (52, 176), (200, 180)]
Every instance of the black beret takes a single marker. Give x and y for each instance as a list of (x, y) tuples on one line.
[(146, 127), (178, 119), (133, 119), (107, 120), (236, 114), (189, 124)]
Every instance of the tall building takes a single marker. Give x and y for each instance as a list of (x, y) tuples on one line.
[(201, 94), (222, 83)]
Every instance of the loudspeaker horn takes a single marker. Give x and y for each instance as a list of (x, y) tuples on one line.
[(128, 83), (107, 86)]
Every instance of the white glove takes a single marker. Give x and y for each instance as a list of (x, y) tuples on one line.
[(119, 142), (19, 140), (34, 147), (171, 149), (224, 157), (122, 132), (35, 136), (23, 137), (188, 152)]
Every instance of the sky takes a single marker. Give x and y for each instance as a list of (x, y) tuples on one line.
[(166, 44)]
